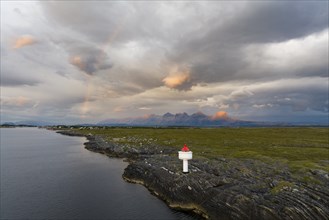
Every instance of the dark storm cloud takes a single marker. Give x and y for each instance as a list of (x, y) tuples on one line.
[(274, 22), (319, 71), (102, 21), (208, 38), (293, 95), (89, 60), (217, 54), (12, 81), (139, 81), (130, 83), (10, 77)]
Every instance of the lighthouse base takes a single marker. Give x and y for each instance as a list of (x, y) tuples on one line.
[(185, 166)]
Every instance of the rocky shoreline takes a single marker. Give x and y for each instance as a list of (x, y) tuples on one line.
[(221, 188)]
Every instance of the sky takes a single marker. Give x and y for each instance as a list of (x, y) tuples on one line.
[(86, 61)]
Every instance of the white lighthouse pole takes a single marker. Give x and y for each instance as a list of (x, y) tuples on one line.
[(185, 166), (185, 154)]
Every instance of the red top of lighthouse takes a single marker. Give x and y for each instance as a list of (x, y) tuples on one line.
[(185, 148)]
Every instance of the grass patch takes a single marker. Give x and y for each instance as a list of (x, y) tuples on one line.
[(301, 148)]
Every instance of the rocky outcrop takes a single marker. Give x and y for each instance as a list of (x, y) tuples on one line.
[(231, 189), (223, 188)]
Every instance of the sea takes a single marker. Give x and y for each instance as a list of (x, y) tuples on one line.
[(46, 175)]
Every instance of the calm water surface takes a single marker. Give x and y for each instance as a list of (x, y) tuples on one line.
[(45, 175)]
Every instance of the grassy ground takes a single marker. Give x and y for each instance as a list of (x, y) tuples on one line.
[(301, 148)]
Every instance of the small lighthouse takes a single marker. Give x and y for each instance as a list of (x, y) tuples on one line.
[(185, 154)]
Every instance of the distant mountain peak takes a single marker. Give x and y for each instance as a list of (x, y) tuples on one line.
[(34, 123), (178, 119), (168, 114), (182, 114), (198, 114)]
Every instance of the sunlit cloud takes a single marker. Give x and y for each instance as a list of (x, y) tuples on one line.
[(15, 101), (77, 61), (220, 115), (23, 41), (178, 78)]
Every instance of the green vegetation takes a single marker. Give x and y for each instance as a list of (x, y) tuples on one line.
[(301, 148)]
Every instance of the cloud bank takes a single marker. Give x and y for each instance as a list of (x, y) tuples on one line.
[(87, 61)]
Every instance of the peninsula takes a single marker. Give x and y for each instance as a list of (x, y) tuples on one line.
[(236, 173)]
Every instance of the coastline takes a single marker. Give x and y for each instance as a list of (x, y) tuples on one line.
[(98, 145), (219, 189)]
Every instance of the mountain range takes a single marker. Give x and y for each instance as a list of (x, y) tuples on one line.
[(28, 123), (198, 119)]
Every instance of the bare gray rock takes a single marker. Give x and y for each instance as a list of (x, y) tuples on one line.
[(222, 188)]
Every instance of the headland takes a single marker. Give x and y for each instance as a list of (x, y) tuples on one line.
[(219, 187)]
